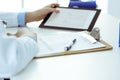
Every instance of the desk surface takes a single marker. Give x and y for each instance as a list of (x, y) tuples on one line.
[(104, 65)]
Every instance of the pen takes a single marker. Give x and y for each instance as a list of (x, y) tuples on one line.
[(67, 48), (3, 25)]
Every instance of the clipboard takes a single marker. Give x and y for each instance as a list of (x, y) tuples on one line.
[(79, 19), (78, 51), (107, 47)]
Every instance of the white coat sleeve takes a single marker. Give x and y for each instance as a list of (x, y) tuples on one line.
[(15, 54), (10, 17)]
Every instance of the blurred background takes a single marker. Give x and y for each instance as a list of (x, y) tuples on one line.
[(111, 7)]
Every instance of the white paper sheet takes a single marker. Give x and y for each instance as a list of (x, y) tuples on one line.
[(71, 18), (56, 43)]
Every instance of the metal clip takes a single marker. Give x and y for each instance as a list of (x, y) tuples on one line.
[(95, 33)]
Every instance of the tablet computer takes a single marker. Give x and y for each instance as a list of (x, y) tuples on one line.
[(71, 19)]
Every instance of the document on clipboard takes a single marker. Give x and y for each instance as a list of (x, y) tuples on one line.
[(55, 44), (71, 19)]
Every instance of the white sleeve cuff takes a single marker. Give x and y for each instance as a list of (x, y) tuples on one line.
[(10, 18)]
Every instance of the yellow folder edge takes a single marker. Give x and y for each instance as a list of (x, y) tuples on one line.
[(107, 47)]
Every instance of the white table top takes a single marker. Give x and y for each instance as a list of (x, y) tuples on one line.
[(103, 65)]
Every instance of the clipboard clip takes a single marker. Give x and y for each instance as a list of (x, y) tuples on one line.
[(95, 33)]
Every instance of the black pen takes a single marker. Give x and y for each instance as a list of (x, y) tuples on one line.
[(67, 48)]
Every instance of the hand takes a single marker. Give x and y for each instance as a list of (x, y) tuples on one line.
[(41, 13), (46, 10), (22, 32)]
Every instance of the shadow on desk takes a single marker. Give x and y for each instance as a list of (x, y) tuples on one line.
[(6, 79)]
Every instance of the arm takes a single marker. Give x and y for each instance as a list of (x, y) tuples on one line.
[(10, 18), (41, 13), (20, 19), (16, 53)]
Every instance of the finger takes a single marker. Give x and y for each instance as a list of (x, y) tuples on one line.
[(9, 34), (54, 5), (54, 10)]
